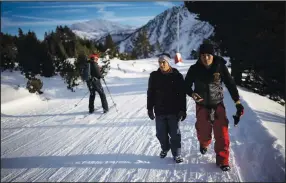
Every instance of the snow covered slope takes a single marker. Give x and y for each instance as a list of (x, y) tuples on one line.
[(55, 141), (163, 28), (98, 28)]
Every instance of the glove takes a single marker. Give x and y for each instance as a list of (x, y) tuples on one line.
[(151, 114), (182, 115), (197, 98), (239, 113), (239, 109)]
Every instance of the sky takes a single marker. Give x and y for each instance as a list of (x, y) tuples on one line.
[(42, 17)]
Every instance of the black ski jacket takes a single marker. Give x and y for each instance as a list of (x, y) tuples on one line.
[(94, 70), (208, 82), (166, 92)]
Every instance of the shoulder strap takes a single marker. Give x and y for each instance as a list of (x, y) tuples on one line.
[(89, 70)]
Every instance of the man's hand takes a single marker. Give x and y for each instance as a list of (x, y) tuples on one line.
[(197, 98), (182, 115), (151, 114), (239, 109), (239, 112)]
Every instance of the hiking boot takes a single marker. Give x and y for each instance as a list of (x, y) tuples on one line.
[(223, 167), (163, 154), (91, 111), (203, 150), (178, 159)]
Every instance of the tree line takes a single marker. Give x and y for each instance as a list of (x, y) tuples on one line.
[(49, 57)]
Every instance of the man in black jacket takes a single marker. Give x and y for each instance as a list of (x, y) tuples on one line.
[(207, 74), (166, 95), (94, 85)]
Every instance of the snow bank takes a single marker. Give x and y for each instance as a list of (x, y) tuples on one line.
[(258, 154)]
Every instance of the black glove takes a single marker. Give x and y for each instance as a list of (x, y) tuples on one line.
[(182, 115), (239, 113), (151, 114), (239, 110)]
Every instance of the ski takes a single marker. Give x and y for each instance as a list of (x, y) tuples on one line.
[(103, 114)]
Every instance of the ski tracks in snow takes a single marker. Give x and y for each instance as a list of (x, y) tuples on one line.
[(118, 147)]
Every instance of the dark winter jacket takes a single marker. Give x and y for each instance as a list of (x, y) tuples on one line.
[(94, 70), (166, 92), (208, 82)]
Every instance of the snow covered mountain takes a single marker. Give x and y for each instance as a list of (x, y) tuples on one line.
[(98, 28), (164, 29), (117, 36)]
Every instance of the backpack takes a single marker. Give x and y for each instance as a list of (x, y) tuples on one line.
[(85, 72)]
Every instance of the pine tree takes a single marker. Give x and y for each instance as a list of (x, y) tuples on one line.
[(194, 54), (46, 60), (158, 47), (20, 33), (134, 54), (142, 46), (8, 51), (101, 47), (109, 44)]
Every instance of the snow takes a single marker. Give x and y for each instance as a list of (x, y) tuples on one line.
[(97, 28), (52, 141), (71, 60), (271, 114), (163, 28)]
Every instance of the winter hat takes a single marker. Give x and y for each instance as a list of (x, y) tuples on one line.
[(165, 57), (94, 56), (207, 48)]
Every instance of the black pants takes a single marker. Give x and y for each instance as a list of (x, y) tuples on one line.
[(167, 125), (95, 86)]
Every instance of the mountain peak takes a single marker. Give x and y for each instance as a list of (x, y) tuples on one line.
[(163, 29), (96, 28)]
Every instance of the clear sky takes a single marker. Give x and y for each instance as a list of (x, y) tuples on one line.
[(42, 17)]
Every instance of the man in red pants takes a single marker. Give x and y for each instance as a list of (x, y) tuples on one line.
[(207, 74)]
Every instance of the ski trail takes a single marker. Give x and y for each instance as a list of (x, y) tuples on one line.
[(31, 119), (118, 147), (34, 144), (29, 132), (90, 152)]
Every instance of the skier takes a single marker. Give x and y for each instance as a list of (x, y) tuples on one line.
[(166, 95), (207, 75), (94, 84)]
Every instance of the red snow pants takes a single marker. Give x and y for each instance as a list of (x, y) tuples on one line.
[(220, 128)]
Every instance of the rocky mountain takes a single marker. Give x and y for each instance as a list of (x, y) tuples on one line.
[(164, 29), (98, 28)]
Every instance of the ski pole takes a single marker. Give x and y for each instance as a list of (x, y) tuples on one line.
[(110, 94), (81, 99)]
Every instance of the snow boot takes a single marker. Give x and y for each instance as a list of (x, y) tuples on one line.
[(178, 159), (203, 150), (223, 167), (163, 154), (91, 111)]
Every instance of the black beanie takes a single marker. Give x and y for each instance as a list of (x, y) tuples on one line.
[(207, 48)]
